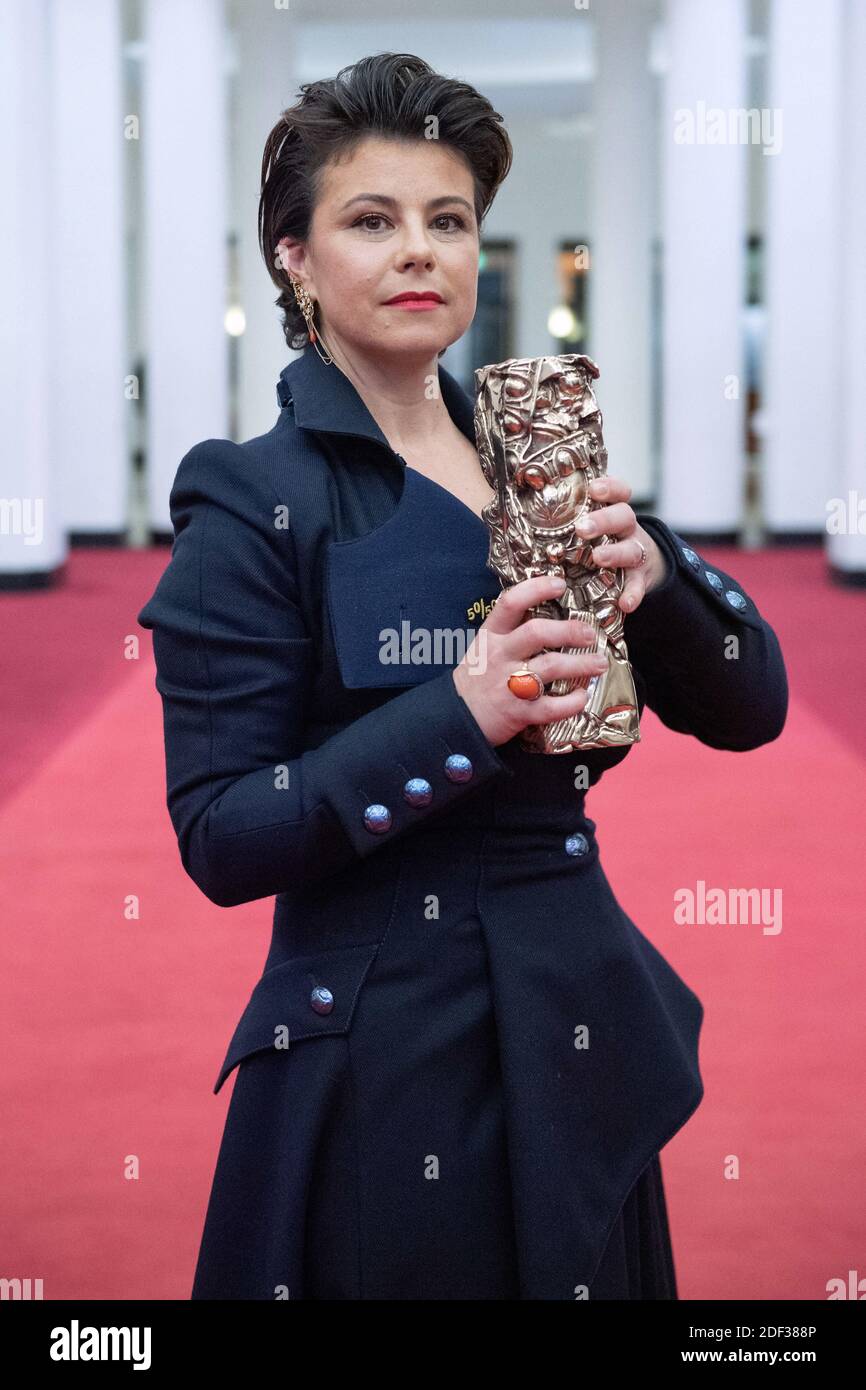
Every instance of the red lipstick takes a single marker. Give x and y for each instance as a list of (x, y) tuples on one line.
[(413, 299)]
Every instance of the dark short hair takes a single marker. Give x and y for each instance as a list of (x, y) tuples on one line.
[(390, 95)]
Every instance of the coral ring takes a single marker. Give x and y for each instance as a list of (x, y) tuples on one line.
[(525, 684)]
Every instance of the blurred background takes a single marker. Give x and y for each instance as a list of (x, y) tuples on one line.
[(688, 205)]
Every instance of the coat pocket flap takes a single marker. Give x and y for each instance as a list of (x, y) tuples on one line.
[(304, 997), (403, 614)]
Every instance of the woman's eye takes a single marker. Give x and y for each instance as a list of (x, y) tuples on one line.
[(369, 217)]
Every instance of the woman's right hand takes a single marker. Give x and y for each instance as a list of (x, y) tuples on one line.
[(507, 641)]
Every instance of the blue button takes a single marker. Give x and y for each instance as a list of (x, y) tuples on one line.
[(458, 768), (735, 599), (577, 844), (377, 819), (418, 791), (322, 1000), (693, 559), (714, 580)]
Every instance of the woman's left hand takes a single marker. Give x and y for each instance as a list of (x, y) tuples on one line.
[(615, 518)]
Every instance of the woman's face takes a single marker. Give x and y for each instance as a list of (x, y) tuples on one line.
[(391, 218)]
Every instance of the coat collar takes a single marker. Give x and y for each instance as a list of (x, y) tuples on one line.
[(325, 399)]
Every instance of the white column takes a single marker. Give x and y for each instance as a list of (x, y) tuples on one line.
[(847, 548), (538, 291), (802, 377), (703, 230), (185, 282), (266, 83), (622, 200), (86, 237), (32, 539)]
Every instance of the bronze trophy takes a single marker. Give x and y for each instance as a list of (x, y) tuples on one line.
[(538, 430)]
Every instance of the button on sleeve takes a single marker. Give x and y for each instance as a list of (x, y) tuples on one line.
[(254, 812), (679, 640)]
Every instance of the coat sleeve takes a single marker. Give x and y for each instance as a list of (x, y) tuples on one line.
[(256, 814), (711, 664)]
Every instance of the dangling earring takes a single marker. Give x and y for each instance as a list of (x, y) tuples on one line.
[(307, 306)]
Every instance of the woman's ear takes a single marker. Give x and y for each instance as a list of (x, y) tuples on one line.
[(289, 255)]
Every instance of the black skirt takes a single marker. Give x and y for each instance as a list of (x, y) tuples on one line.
[(439, 1178), (463, 1250), (454, 1138)]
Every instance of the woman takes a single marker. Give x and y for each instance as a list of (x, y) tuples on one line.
[(462, 1057)]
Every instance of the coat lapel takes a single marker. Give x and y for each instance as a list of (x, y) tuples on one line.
[(405, 599)]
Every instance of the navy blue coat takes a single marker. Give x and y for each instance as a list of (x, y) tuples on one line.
[(365, 1055)]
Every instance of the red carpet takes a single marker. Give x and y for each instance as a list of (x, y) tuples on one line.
[(116, 1019)]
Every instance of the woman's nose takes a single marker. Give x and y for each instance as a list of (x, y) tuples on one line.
[(416, 246)]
